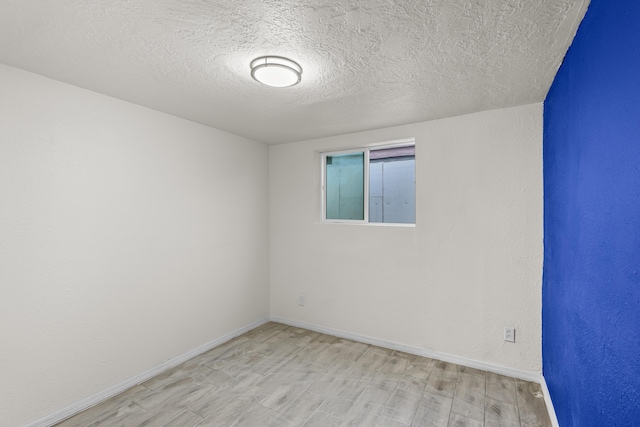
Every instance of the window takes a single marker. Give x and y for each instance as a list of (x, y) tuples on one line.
[(370, 185)]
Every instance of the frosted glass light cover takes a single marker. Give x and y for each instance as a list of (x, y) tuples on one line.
[(276, 71)]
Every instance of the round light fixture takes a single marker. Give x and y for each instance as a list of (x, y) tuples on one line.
[(276, 71)]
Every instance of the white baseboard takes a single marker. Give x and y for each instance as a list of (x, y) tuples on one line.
[(99, 397), (477, 364), (549, 403), (472, 363)]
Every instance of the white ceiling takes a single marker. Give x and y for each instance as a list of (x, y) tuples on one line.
[(367, 64)]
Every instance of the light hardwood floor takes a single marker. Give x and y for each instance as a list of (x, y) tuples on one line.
[(277, 375)]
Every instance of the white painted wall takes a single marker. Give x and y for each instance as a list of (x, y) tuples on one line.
[(471, 265), (127, 237)]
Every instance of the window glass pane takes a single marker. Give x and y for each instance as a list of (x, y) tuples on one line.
[(345, 186), (392, 188)]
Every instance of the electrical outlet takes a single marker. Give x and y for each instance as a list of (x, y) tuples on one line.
[(510, 334), (301, 300)]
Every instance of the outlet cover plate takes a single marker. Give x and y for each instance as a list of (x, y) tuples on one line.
[(510, 334)]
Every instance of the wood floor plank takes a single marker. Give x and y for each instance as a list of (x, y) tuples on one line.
[(469, 405), (443, 369), (412, 384), (501, 388), (433, 411), (456, 420), (222, 348), (501, 423), (371, 361), (472, 371), (227, 412), (501, 412), (320, 418), (388, 422), (282, 376), (207, 402), (528, 424), (335, 407), (362, 414), (104, 409), (531, 403), (275, 359), (243, 381), (172, 417), (441, 386), (329, 385), (469, 396), (300, 337), (281, 396), (397, 363), (311, 352), (120, 415), (420, 367), (265, 332), (300, 410), (341, 354), (256, 416), (169, 395), (402, 406), (378, 392)]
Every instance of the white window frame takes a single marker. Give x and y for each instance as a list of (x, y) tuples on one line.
[(409, 142)]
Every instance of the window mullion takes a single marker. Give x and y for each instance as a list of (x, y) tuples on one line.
[(366, 186), (323, 192)]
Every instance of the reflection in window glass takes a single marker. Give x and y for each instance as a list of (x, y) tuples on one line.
[(345, 186), (392, 188)]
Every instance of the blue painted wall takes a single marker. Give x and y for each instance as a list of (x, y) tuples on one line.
[(591, 285)]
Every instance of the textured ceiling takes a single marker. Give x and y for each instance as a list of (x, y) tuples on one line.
[(367, 64)]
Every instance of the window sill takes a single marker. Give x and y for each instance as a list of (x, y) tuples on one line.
[(368, 224)]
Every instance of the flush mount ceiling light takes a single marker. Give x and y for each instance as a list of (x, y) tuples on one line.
[(276, 71)]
